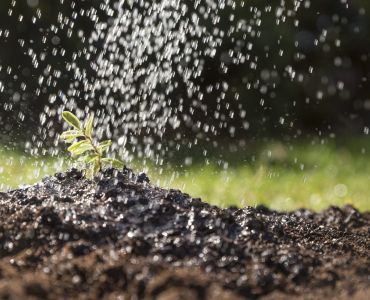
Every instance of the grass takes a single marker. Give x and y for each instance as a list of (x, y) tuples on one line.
[(19, 169), (306, 175), (282, 177)]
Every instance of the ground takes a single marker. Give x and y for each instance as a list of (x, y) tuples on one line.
[(119, 237)]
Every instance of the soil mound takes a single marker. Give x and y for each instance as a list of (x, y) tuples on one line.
[(118, 237)]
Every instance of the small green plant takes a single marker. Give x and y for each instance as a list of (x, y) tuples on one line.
[(83, 145)]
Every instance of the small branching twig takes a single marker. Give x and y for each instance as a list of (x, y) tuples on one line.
[(85, 147)]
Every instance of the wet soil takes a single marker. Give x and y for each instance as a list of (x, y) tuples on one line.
[(119, 237)]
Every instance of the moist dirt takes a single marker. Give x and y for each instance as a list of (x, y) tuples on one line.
[(119, 237)]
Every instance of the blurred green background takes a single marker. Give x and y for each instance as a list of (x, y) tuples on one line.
[(313, 175)]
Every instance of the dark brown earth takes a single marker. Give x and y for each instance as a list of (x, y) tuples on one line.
[(118, 237)]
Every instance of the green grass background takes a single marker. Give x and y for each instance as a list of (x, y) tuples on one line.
[(304, 174)]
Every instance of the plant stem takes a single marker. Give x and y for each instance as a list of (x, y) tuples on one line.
[(96, 150)]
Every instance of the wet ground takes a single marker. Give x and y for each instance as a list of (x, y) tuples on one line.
[(118, 237)]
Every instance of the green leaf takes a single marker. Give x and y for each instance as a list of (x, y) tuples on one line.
[(104, 146), (82, 150), (80, 147), (69, 140), (77, 145), (71, 119), (70, 135), (88, 159), (114, 162), (89, 126), (89, 173), (75, 133)]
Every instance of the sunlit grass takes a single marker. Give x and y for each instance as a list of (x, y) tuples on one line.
[(311, 176), (303, 175), (19, 169), (276, 188)]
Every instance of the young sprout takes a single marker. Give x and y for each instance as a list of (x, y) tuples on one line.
[(85, 147)]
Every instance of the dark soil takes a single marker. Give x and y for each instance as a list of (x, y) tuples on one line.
[(118, 237)]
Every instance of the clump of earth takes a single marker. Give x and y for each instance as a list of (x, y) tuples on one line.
[(119, 237)]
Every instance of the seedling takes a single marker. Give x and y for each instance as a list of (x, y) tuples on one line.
[(84, 147)]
